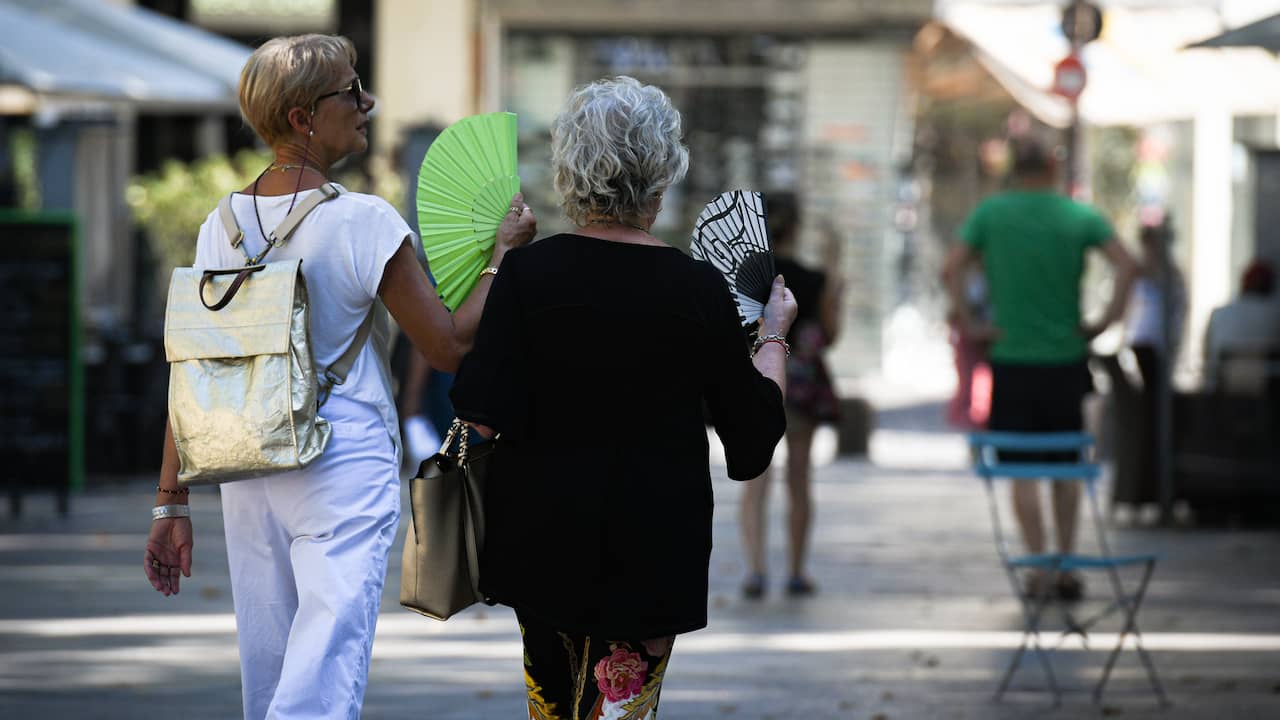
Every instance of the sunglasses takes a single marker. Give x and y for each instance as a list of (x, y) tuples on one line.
[(355, 90)]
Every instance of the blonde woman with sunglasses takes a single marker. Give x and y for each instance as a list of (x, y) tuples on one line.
[(307, 549)]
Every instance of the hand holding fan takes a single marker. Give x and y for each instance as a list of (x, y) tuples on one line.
[(465, 186), (731, 235)]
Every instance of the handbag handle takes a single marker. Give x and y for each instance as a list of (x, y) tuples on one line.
[(457, 427), (462, 431), (241, 276)]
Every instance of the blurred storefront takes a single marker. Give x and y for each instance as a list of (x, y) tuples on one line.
[(1171, 133), (1201, 147), (807, 97), (90, 92), (85, 80)]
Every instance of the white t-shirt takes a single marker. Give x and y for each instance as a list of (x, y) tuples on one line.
[(344, 244), (1249, 324), (1144, 322)]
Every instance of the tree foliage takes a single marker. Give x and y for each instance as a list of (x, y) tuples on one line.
[(171, 203)]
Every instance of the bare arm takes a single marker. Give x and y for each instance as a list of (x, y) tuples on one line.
[(779, 313), (953, 272), (517, 228), (1126, 271), (958, 259), (441, 337), (829, 313), (413, 303), (168, 551), (169, 460)]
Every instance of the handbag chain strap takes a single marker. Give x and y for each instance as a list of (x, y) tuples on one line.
[(461, 431)]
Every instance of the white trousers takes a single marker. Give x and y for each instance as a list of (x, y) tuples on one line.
[(308, 557)]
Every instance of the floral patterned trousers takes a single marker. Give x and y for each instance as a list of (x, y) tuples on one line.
[(587, 677)]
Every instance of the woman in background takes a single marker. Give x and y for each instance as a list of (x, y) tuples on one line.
[(811, 400)]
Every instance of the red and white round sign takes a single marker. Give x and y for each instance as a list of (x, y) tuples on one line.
[(1069, 77)]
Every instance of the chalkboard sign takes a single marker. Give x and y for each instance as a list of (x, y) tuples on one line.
[(41, 374)]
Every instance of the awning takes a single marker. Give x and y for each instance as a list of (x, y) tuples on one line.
[(1138, 72), (1264, 33), (92, 50)]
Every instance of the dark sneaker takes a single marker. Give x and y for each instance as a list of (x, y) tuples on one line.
[(1070, 587), (753, 586), (801, 587)]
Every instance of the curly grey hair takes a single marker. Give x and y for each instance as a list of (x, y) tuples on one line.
[(615, 148)]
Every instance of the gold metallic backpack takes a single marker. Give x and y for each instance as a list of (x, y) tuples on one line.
[(244, 393)]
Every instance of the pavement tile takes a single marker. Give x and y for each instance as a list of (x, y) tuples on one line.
[(914, 618)]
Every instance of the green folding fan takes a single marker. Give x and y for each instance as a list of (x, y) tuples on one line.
[(464, 189)]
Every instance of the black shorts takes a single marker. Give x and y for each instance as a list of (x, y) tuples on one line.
[(1039, 398)]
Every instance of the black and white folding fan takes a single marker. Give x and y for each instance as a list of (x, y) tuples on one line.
[(731, 235)]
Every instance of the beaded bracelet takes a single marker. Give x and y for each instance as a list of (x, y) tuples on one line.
[(179, 491), (771, 338), (491, 270)]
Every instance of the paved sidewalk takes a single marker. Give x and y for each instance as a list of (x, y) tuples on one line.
[(914, 618)]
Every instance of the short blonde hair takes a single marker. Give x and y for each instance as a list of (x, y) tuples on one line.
[(615, 148), (288, 72)]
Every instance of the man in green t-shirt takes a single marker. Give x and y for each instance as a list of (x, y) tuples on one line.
[(1031, 241)]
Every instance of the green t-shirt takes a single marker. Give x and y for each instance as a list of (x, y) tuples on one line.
[(1032, 245)]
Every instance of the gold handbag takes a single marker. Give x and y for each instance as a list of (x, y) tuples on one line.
[(440, 567), (244, 393)]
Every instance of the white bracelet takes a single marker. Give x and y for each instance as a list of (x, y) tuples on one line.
[(161, 512)]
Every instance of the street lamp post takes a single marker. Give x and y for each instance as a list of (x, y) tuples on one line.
[(1081, 23), (1164, 370)]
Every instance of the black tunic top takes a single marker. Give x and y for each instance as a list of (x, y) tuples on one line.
[(594, 359)]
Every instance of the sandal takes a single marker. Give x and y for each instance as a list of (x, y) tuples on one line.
[(799, 586), (753, 586)]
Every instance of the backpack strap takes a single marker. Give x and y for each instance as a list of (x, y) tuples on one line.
[(284, 230), (336, 374), (229, 224)]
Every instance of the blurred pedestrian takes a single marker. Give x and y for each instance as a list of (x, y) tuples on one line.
[(971, 403), (425, 422), (811, 401), (1153, 332), (307, 549), (597, 352), (1032, 242), (1248, 328), (1159, 297)]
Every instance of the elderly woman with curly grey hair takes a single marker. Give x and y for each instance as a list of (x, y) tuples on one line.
[(595, 356)]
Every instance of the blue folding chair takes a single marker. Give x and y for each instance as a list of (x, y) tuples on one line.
[(987, 448)]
